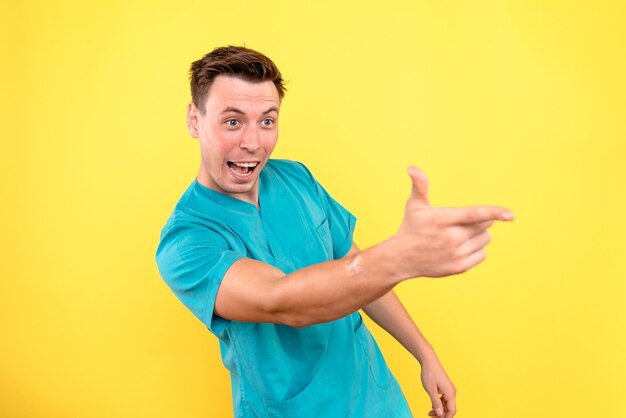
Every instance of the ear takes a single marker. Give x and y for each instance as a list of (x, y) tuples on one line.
[(193, 119)]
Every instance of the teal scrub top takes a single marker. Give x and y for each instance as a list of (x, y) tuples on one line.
[(333, 369)]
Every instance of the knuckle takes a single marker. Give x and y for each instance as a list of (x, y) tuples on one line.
[(438, 218), (411, 206), (460, 266), (458, 253), (450, 241), (454, 239)]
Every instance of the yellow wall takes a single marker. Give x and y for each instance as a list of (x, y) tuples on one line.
[(518, 103)]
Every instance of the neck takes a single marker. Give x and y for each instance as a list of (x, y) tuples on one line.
[(251, 196)]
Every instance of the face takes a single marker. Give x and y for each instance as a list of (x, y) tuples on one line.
[(237, 135)]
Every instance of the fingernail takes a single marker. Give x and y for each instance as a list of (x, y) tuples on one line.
[(507, 216), (439, 411)]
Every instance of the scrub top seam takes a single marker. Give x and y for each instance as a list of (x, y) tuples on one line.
[(263, 191)]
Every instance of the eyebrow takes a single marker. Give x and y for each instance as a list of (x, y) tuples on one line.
[(235, 110)]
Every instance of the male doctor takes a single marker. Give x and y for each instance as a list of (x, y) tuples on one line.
[(264, 257)]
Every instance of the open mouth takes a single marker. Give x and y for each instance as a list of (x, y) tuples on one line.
[(243, 169)]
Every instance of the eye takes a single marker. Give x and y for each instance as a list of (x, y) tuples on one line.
[(232, 123), (268, 122)]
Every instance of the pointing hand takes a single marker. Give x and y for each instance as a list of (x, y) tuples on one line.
[(437, 242)]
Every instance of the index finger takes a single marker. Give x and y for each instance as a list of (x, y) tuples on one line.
[(474, 214)]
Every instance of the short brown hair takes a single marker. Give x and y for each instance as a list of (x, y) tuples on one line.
[(237, 61)]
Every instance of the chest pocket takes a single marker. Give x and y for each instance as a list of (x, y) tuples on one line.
[(315, 247), (326, 239)]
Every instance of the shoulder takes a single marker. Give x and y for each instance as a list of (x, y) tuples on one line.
[(182, 228), (198, 219), (183, 235), (189, 228), (290, 172), (292, 167)]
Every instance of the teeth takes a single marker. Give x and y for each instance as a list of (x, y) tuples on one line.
[(245, 164)]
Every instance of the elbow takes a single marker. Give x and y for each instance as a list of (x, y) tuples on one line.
[(292, 317), (286, 308), (301, 318), (286, 312), (299, 321)]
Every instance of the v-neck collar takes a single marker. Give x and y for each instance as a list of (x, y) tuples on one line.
[(230, 202)]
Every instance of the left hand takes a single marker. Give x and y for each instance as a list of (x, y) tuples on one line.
[(436, 382)]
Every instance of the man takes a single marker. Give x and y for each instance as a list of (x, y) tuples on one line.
[(264, 257)]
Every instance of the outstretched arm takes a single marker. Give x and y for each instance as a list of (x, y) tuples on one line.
[(431, 242)]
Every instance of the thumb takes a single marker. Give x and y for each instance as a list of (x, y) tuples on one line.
[(419, 192), (437, 405)]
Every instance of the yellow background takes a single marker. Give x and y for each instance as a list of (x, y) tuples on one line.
[(517, 103)]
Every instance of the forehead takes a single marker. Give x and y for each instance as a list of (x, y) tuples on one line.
[(229, 91)]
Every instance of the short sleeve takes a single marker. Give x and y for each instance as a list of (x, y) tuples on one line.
[(193, 263), (340, 220)]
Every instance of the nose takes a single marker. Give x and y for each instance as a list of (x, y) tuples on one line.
[(250, 139)]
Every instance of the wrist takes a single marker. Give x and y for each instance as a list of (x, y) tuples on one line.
[(426, 355), (394, 248), (383, 258)]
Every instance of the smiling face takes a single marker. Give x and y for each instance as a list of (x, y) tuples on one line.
[(237, 134)]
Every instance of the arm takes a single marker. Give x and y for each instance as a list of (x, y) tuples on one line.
[(389, 313), (315, 294), (431, 242)]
